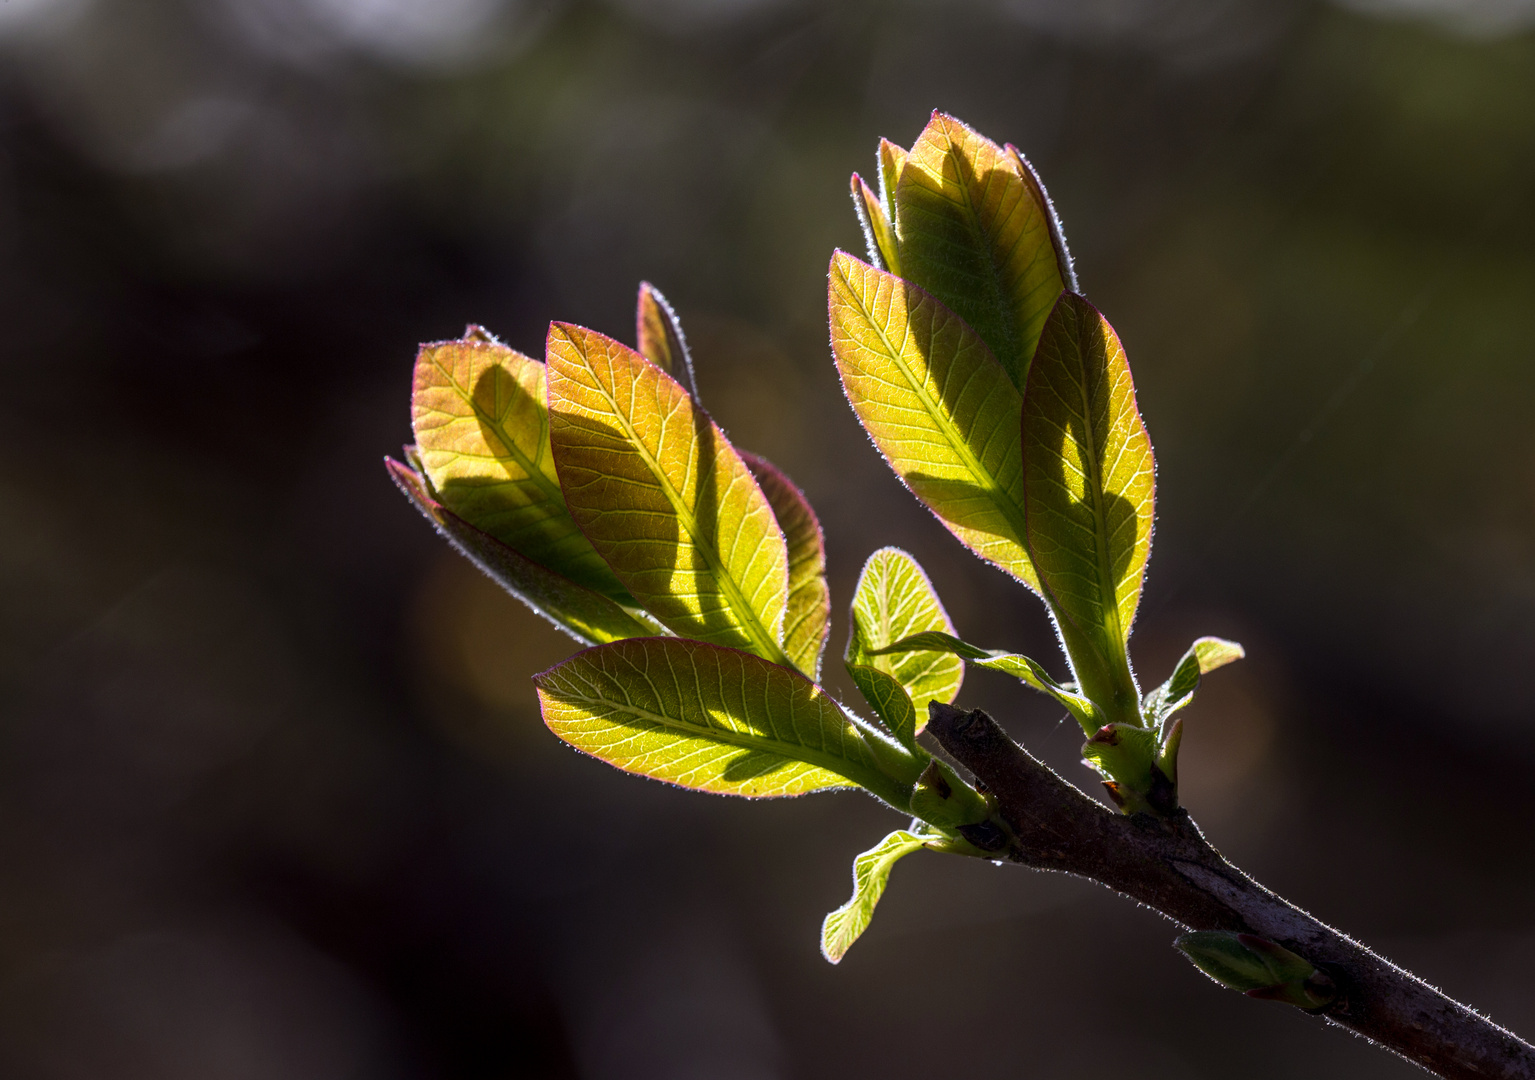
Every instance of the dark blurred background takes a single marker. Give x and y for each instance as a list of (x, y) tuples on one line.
[(274, 796)]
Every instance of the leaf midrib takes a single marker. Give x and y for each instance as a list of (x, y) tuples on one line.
[(531, 468), (733, 595), (1010, 510)]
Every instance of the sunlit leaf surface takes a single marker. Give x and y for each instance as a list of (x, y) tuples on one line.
[(879, 235), (807, 618), (587, 616), (664, 496), (894, 600), (975, 230), (871, 872), (705, 717), (1204, 656), (1089, 486), (936, 403), (888, 698), (482, 432), (658, 333)]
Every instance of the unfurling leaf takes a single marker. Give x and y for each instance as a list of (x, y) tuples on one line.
[(892, 159), (1257, 967), (942, 799), (807, 618), (659, 338), (587, 616), (707, 718), (661, 493), (879, 236), (482, 433), (893, 600), (937, 404), (871, 872), (1083, 711), (1089, 488), (976, 231), (1204, 656)]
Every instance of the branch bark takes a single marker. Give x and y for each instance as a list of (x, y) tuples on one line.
[(1166, 864)]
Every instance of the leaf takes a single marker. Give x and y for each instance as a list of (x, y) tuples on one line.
[(482, 431), (889, 699), (807, 618), (893, 600), (1019, 667), (879, 236), (975, 230), (937, 404), (664, 496), (1089, 489), (892, 159), (707, 718), (1257, 967), (871, 872), (1204, 656), (658, 333), (587, 616)]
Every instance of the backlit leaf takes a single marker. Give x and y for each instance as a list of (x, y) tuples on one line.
[(1089, 489), (893, 600), (976, 231), (1204, 656), (889, 700), (1028, 671), (707, 718), (871, 872), (664, 496), (892, 159), (807, 618), (658, 333), (482, 431), (879, 235), (937, 404), (587, 616)]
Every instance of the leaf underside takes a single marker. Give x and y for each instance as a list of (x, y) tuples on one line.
[(663, 496), (807, 617), (482, 433), (871, 873), (1088, 480), (659, 337), (587, 616), (937, 404), (894, 600), (976, 232), (704, 717)]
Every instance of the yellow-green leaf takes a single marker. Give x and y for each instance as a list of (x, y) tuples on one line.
[(587, 616), (937, 404), (871, 872), (887, 697), (1089, 485), (706, 718), (482, 431), (664, 496), (975, 229), (892, 159), (1203, 657), (879, 236), (807, 617), (894, 600), (658, 333)]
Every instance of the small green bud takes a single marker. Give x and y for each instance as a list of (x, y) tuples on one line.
[(1257, 967), (1128, 758), (941, 798)]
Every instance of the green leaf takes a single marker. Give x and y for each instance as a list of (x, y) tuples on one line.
[(707, 718), (482, 432), (807, 618), (871, 872), (664, 496), (587, 616), (1126, 755), (892, 159), (1089, 489), (879, 236), (1204, 656), (893, 600), (1019, 667), (976, 230), (1257, 967), (658, 333), (937, 404), (889, 700)]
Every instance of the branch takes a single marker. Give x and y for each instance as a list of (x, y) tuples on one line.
[(1166, 864)]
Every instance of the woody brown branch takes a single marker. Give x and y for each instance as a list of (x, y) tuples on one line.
[(1167, 864)]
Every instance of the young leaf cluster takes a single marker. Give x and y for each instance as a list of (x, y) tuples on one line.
[(593, 485)]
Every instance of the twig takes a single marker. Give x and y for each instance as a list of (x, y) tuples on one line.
[(1166, 864)]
